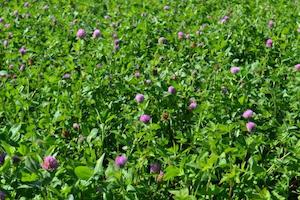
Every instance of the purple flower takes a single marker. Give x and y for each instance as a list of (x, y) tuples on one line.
[(271, 24), (22, 50), (80, 33), (250, 126), (145, 118), (2, 158), (248, 114), (120, 161), (116, 41), (2, 195), (116, 47), (139, 98), (269, 43), (26, 4), (180, 35), (193, 105), (224, 19), (297, 67), (66, 76), (137, 74), (96, 33), (50, 163), (166, 7), (1, 20), (171, 90), (162, 40), (155, 168), (235, 70)]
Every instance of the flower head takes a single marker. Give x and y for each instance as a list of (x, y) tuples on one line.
[(171, 90), (76, 126), (166, 7), (96, 33), (193, 105), (121, 160), (2, 158), (22, 51), (235, 70), (248, 114), (80, 33), (269, 43), (160, 176), (2, 195), (224, 19), (271, 24), (1, 20), (66, 76), (155, 168), (145, 118), (250, 126), (139, 98), (162, 40), (297, 67), (50, 163), (180, 35)]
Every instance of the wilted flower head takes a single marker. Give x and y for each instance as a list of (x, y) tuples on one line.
[(250, 126), (50, 163), (139, 98), (171, 90), (120, 161), (2, 195), (248, 114), (155, 168), (22, 50), (271, 24), (269, 43), (148, 81), (145, 118), (166, 7), (6, 25), (234, 70), (96, 33), (26, 4), (160, 176), (80, 33), (106, 17), (193, 105), (76, 126), (5, 43), (297, 67), (180, 35), (22, 67), (188, 36), (66, 76), (137, 74), (16, 13), (162, 40), (2, 158)]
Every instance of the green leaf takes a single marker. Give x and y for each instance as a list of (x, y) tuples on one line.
[(15, 132), (84, 172), (29, 177), (99, 165), (92, 135), (172, 172)]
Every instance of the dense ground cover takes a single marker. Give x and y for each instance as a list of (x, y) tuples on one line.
[(149, 100)]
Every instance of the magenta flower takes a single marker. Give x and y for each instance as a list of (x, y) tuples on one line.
[(22, 50), (139, 98), (193, 105), (297, 67), (80, 33), (145, 118), (171, 90), (248, 114), (235, 70), (120, 161), (271, 24), (50, 163), (250, 126), (96, 33), (155, 168), (180, 35), (269, 43)]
